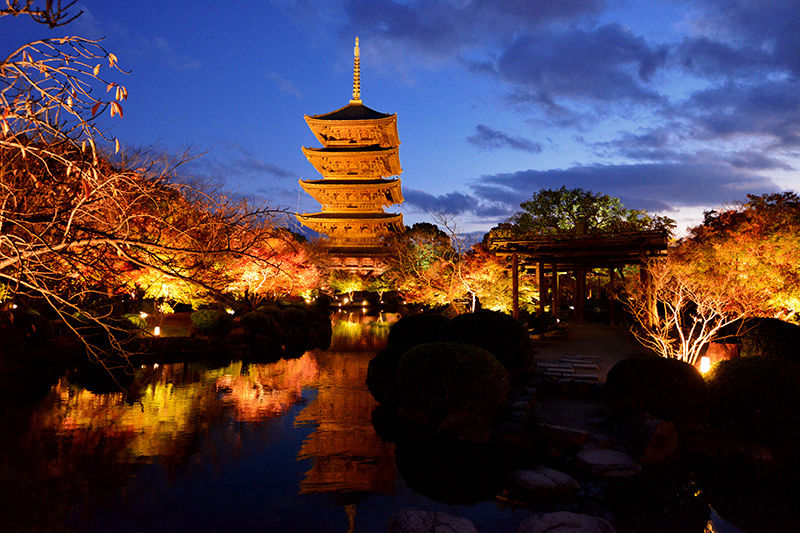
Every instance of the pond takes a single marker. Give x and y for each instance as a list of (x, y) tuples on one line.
[(223, 446), (286, 446)]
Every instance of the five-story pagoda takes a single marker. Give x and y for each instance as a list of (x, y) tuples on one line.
[(357, 163)]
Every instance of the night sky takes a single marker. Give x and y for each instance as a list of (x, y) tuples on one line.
[(672, 106)]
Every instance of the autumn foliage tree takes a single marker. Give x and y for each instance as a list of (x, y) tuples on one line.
[(741, 262), (676, 314), (425, 267), (78, 217), (757, 243)]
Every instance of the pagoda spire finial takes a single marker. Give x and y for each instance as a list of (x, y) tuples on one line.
[(356, 75)]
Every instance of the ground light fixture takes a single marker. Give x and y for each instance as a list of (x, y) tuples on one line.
[(705, 364)]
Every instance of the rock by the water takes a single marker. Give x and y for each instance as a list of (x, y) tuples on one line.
[(563, 437), (607, 463), (542, 484), (564, 522), (421, 521), (652, 440)]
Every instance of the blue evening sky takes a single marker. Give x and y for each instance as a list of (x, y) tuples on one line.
[(673, 106)]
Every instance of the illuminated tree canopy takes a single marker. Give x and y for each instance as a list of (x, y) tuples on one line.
[(566, 211), (756, 243), (82, 219)]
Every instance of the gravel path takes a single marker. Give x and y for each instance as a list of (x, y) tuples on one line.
[(607, 345), (610, 343)]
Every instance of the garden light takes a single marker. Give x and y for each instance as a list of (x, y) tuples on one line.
[(156, 331), (705, 364)]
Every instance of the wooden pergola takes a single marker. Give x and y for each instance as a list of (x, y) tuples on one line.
[(578, 254)]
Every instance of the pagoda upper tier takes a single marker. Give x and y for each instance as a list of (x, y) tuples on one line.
[(340, 196), (358, 162), (355, 125)]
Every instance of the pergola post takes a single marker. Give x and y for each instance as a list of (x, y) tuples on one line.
[(515, 285), (542, 290), (580, 294), (556, 291), (612, 318)]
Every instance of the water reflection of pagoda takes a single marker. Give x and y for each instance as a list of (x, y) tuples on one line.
[(348, 457), (358, 162)]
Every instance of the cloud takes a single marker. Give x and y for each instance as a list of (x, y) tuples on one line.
[(446, 28), (154, 48), (714, 59), (669, 185), (284, 85), (159, 48), (230, 159), (767, 25), (486, 138), (770, 109), (607, 64), (454, 203)]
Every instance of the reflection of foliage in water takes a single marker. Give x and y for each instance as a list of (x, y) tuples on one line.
[(85, 447), (355, 331), (172, 415)]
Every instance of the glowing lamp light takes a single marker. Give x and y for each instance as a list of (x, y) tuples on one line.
[(705, 364), (364, 303), (157, 331), (346, 300), (142, 314), (230, 311)]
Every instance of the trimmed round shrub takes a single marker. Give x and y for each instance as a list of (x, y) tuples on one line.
[(420, 328), (382, 370), (668, 389), (500, 334), (757, 398), (438, 378), (136, 320), (115, 333), (295, 330), (325, 334), (258, 323), (770, 337), (212, 322), (36, 328)]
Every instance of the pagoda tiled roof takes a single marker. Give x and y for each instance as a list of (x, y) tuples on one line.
[(352, 182), (353, 149), (365, 216), (352, 112), (359, 250)]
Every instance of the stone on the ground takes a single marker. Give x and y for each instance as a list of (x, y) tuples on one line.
[(564, 522), (542, 484), (607, 463), (563, 437), (422, 521)]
